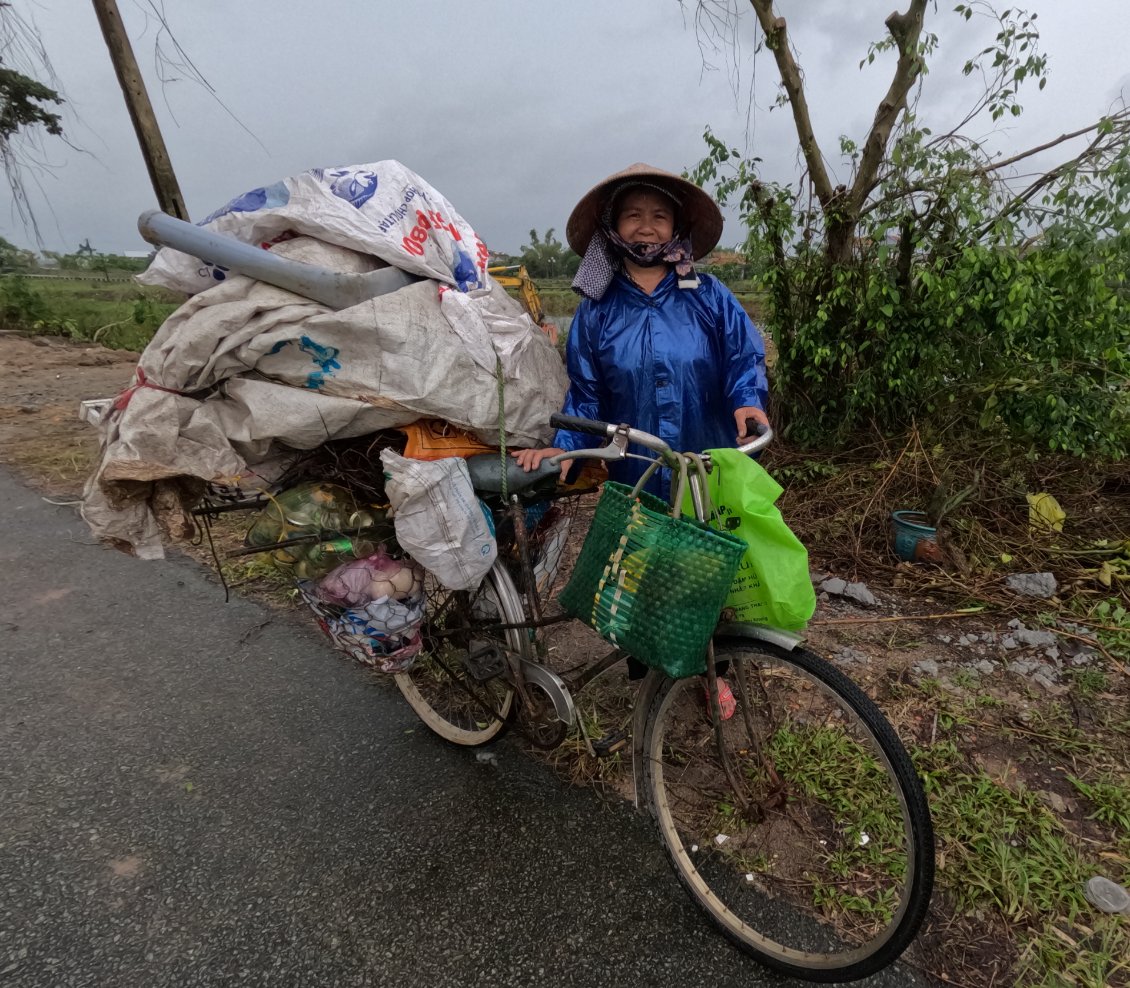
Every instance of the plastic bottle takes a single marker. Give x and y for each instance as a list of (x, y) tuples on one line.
[(327, 551)]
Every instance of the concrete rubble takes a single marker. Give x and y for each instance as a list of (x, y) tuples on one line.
[(1041, 585), (855, 592), (1035, 654)]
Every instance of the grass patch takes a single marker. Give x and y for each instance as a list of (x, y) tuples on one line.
[(120, 315), (839, 775), (1110, 798), (1094, 956), (1054, 725), (1111, 622), (559, 302), (1001, 851), (603, 707), (56, 466), (1088, 682), (812, 757), (965, 678)]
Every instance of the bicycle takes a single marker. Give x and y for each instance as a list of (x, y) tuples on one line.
[(798, 825)]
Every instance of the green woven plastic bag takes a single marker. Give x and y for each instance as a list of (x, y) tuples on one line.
[(651, 584), (773, 586)]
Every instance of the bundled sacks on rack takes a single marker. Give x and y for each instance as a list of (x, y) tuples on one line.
[(244, 373), (382, 209)]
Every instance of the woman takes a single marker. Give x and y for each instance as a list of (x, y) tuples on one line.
[(653, 343)]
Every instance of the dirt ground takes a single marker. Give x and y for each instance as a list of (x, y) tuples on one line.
[(45, 378), (1008, 693)]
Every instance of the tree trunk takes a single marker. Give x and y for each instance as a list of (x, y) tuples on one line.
[(841, 206), (781, 290), (841, 236)]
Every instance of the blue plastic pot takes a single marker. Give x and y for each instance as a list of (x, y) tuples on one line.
[(909, 529)]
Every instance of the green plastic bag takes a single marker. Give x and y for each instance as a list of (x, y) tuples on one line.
[(772, 586)]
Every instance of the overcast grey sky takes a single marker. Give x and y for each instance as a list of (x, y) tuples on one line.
[(511, 109)]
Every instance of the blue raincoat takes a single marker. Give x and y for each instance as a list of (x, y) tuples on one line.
[(676, 363)]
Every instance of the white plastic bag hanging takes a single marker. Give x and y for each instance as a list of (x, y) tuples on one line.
[(438, 520)]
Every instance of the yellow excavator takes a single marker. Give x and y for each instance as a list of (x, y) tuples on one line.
[(516, 276)]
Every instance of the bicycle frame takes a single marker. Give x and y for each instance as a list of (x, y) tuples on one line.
[(617, 449), (686, 770)]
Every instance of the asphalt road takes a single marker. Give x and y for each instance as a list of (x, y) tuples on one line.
[(194, 793)]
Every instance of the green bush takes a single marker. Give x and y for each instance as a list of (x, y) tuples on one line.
[(20, 304), (953, 308)]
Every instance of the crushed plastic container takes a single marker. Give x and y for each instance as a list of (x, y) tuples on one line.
[(317, 527)]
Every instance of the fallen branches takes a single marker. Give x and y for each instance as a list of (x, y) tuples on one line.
[(900, 617), (839, 504)]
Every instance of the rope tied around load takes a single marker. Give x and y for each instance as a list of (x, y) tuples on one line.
[(142, 382), (502, 425)]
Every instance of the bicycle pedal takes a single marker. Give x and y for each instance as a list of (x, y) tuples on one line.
[(610, 744), (484, 662)]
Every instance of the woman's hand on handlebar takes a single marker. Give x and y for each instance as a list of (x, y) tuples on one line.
[(530, 459), (748, 418)]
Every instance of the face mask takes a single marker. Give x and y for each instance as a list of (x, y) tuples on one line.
[(676, 251)]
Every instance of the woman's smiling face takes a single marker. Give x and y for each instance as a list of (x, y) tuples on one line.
[(645, 217)]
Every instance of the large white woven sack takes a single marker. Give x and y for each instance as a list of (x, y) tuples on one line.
[(381, 208)]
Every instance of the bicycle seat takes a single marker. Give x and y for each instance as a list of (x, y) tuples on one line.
[(486, 475)]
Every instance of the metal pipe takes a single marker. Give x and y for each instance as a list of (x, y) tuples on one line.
[(333, 288)]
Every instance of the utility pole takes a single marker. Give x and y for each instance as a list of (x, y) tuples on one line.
[(140, 110)]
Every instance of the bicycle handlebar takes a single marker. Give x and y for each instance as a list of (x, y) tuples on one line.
[(596, 428), (576, 424), (764, 438)]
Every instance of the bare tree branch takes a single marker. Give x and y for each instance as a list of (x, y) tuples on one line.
[(905, 29), (1122, 117), (840, 205), (1120, 121), (777, 40), (1094, 150), (903, 192)]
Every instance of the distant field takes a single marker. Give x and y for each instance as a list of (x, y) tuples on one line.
[(40, 276), (121, 314), (118, 313)]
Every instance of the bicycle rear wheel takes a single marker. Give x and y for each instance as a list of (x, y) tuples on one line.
[(814, 851), (457, 685)]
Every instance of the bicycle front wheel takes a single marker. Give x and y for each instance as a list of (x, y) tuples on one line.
[(458, 685), (804, 834)]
